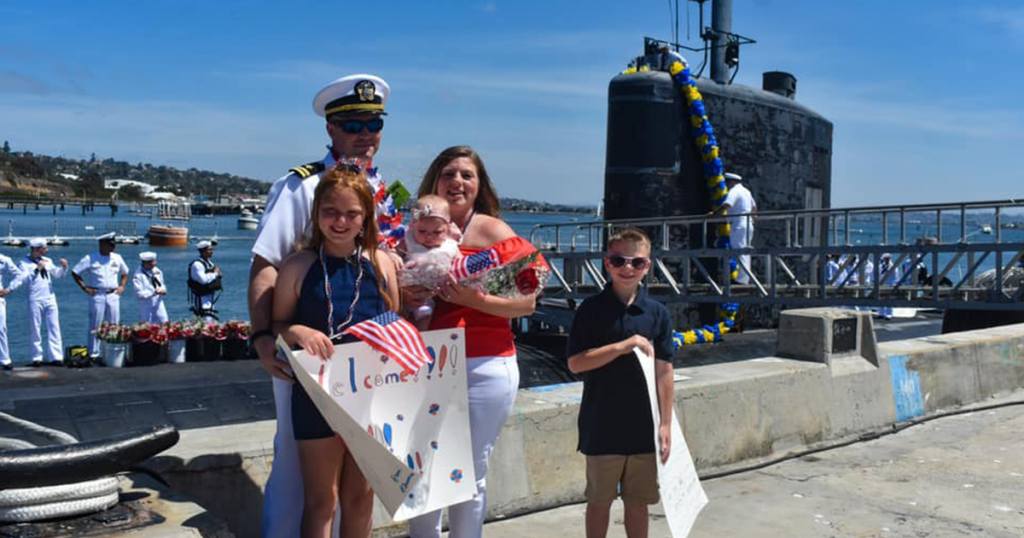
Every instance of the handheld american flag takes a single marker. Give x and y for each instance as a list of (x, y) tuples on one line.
[(394, 337), (475, 264)]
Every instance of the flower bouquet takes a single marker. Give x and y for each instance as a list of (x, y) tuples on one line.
[(113, 333), (237, 344), (178, 334), (206, 342), (146, 343), (512, 269), (114, 338)]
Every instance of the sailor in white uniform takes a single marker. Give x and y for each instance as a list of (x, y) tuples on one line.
[(10, 273), (39, 272), (204, 283), (886, 312), (150, 289), (353, 107), (740, 205), (103, 276)]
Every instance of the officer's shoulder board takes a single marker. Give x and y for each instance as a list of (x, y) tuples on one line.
[(308, 170)]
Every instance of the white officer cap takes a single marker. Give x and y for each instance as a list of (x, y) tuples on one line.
[(147, 256), (203, 245), (354, 94), (107, 237), (37, 242), (729, 176)]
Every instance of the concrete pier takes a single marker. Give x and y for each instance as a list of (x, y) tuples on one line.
[(733, 413)]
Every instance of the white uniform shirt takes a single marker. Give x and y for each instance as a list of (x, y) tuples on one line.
[(101, 272), (198, 272), (144, 288), (40, 287), (740, 202), (288, 218), (11, 271)]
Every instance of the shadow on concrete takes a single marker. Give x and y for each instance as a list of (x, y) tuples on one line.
[(219, 484)]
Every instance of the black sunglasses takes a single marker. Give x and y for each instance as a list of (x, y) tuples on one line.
[(638, 262), (356, 126)]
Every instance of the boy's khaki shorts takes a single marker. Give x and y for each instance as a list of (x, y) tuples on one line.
[(638, 475)]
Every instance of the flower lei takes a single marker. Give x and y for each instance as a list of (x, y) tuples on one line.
[(704, 137)]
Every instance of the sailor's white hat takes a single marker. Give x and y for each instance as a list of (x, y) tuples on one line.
[(203, 245), (147, 256), (37, 242), (107, 237), (729, 176), (354, 94)]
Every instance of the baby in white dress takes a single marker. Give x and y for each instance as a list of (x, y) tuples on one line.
[(431, 245)]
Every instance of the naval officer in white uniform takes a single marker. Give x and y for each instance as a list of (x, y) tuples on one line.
[(102, 275), (39, 272), (739, 201), (150, 289), (10, 273), (353, 107)]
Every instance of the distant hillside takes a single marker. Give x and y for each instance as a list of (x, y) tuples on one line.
[(520, 205), (24, 174), (27, 175)]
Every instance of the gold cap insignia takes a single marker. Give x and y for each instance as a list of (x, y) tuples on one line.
[(366, 90)]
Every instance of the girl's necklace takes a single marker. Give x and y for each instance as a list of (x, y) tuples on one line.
[(463, 229), (332, 331)]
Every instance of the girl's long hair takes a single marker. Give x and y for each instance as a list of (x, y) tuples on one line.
[(350, 177), (486, 198)]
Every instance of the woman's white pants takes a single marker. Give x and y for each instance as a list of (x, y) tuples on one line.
[(492, 384)]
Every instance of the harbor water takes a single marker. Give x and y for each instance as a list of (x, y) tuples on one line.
[(232, 254)]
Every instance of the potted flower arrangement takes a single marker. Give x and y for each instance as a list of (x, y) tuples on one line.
[(147, 339), (204, 345), (177, 334), (114, 343), (236, 346)]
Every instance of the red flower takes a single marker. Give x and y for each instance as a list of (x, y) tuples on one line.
[(526, 281)]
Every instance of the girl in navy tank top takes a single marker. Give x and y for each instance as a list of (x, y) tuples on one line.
[(338, 279)]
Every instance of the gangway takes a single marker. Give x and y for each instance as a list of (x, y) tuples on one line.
[(963, 255)]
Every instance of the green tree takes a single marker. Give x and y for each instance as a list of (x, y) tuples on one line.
[(130, 192)]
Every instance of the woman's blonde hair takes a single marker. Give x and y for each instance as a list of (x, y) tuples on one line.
[(350, 177), (486, 198)]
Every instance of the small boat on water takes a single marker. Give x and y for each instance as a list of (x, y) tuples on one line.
[(986, 229), (56, 240), (127, 239), (167, 235), (248, 221), (10, 240)]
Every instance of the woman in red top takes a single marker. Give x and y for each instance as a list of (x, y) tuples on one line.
[(459, 176)]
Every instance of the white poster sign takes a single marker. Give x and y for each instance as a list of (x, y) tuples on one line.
[(682, 496), (409, 433)]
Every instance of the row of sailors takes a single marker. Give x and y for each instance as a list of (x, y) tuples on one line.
[(103, 276), (844, 270)]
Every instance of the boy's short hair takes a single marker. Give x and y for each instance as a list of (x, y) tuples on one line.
[(631, 234)]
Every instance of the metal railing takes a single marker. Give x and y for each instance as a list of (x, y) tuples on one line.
[(935, 258)]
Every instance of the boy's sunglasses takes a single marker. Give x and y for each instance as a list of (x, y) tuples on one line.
[(356, 126), (638, 262)]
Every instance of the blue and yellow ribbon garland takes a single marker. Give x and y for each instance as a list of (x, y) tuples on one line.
[(704, 137)]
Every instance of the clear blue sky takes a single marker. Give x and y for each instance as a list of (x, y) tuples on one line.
[(925, 95)]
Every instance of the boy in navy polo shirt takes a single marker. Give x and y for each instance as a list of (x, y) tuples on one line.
[(615, 422)]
